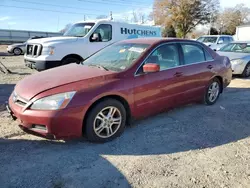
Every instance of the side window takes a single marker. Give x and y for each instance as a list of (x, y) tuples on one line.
[(226, 40), (231, 39), (192, 54), (103, 33), (208, 56), (166, 56), (221, 39)]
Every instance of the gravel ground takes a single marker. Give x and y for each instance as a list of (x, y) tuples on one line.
[(193, 146)]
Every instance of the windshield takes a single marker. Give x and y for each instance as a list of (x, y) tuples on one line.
[(236, 47), (79, 30), (207, 39), (117, 57)]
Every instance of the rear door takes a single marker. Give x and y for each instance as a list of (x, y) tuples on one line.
[(196, 71)]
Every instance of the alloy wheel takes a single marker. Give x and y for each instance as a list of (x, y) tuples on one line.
[(107, 122), (213, 91), (17, 51)]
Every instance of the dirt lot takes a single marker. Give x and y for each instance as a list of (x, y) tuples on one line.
[(194, 146)]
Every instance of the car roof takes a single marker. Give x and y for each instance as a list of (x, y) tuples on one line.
[(155, 40)]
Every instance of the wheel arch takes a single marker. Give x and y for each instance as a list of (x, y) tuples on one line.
[(221, 82), (72, 56), (116, 97)]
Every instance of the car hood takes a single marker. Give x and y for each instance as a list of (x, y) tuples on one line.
[(53, 40), (208, 43), (32, 85), (233, 55), (17, 44)]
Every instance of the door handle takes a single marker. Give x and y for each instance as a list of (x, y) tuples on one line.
[(178, 74), (210, 66)]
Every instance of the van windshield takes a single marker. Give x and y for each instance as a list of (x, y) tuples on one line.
[(79, 29), (117, 57)]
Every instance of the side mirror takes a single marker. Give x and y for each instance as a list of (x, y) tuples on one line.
[(220, 42), (95, 37), (151, 67)]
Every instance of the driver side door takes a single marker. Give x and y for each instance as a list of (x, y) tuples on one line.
[(105, 34), (155, 92)]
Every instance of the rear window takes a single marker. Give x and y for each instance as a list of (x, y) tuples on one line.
[(192, 54)]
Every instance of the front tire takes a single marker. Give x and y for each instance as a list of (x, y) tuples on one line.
[(17, 51), (213, 92), (105, 121), (246, 72)]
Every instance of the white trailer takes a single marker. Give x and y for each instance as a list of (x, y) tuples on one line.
[(243, 33)]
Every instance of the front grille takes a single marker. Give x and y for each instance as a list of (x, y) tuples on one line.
[(19, 100), (34, 50)]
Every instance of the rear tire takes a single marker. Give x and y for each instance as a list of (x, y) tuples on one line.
[(105, 121), (17, 51), (70, 60), (212, 92), (246, 72)]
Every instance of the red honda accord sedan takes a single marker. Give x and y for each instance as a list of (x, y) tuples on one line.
[(129, 79)]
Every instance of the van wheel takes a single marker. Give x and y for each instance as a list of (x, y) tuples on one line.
[(105, 121), (70, 60), (213, 92)]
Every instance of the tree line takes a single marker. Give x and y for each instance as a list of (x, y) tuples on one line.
[(179, 18)]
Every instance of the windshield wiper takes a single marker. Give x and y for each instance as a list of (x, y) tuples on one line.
[(99, 66)]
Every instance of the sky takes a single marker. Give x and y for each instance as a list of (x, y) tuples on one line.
[(48, 15)]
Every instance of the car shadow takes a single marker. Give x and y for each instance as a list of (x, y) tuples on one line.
[(6, 54), (78, 163), (5, 91)]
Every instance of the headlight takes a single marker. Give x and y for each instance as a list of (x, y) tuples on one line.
[(237, 61), (53, 102), (48, 50)]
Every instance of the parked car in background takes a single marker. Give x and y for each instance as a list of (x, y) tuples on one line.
[(126, 80), (239, 55), (81, 40), (20, 48), (17, 48), (215, 42)]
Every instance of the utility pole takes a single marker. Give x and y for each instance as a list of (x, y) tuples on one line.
[(111, 17), (84, 17)]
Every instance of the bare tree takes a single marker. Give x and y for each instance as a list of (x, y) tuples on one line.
[(66, 27), (102, 17), (230, 18), (135, 17)]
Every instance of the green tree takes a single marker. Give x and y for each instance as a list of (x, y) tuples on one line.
[(184, 15), (169, 32)]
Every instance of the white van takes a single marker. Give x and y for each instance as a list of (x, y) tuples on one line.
[(80, 41)]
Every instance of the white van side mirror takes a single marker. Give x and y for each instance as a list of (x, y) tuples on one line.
[(220, 42)]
